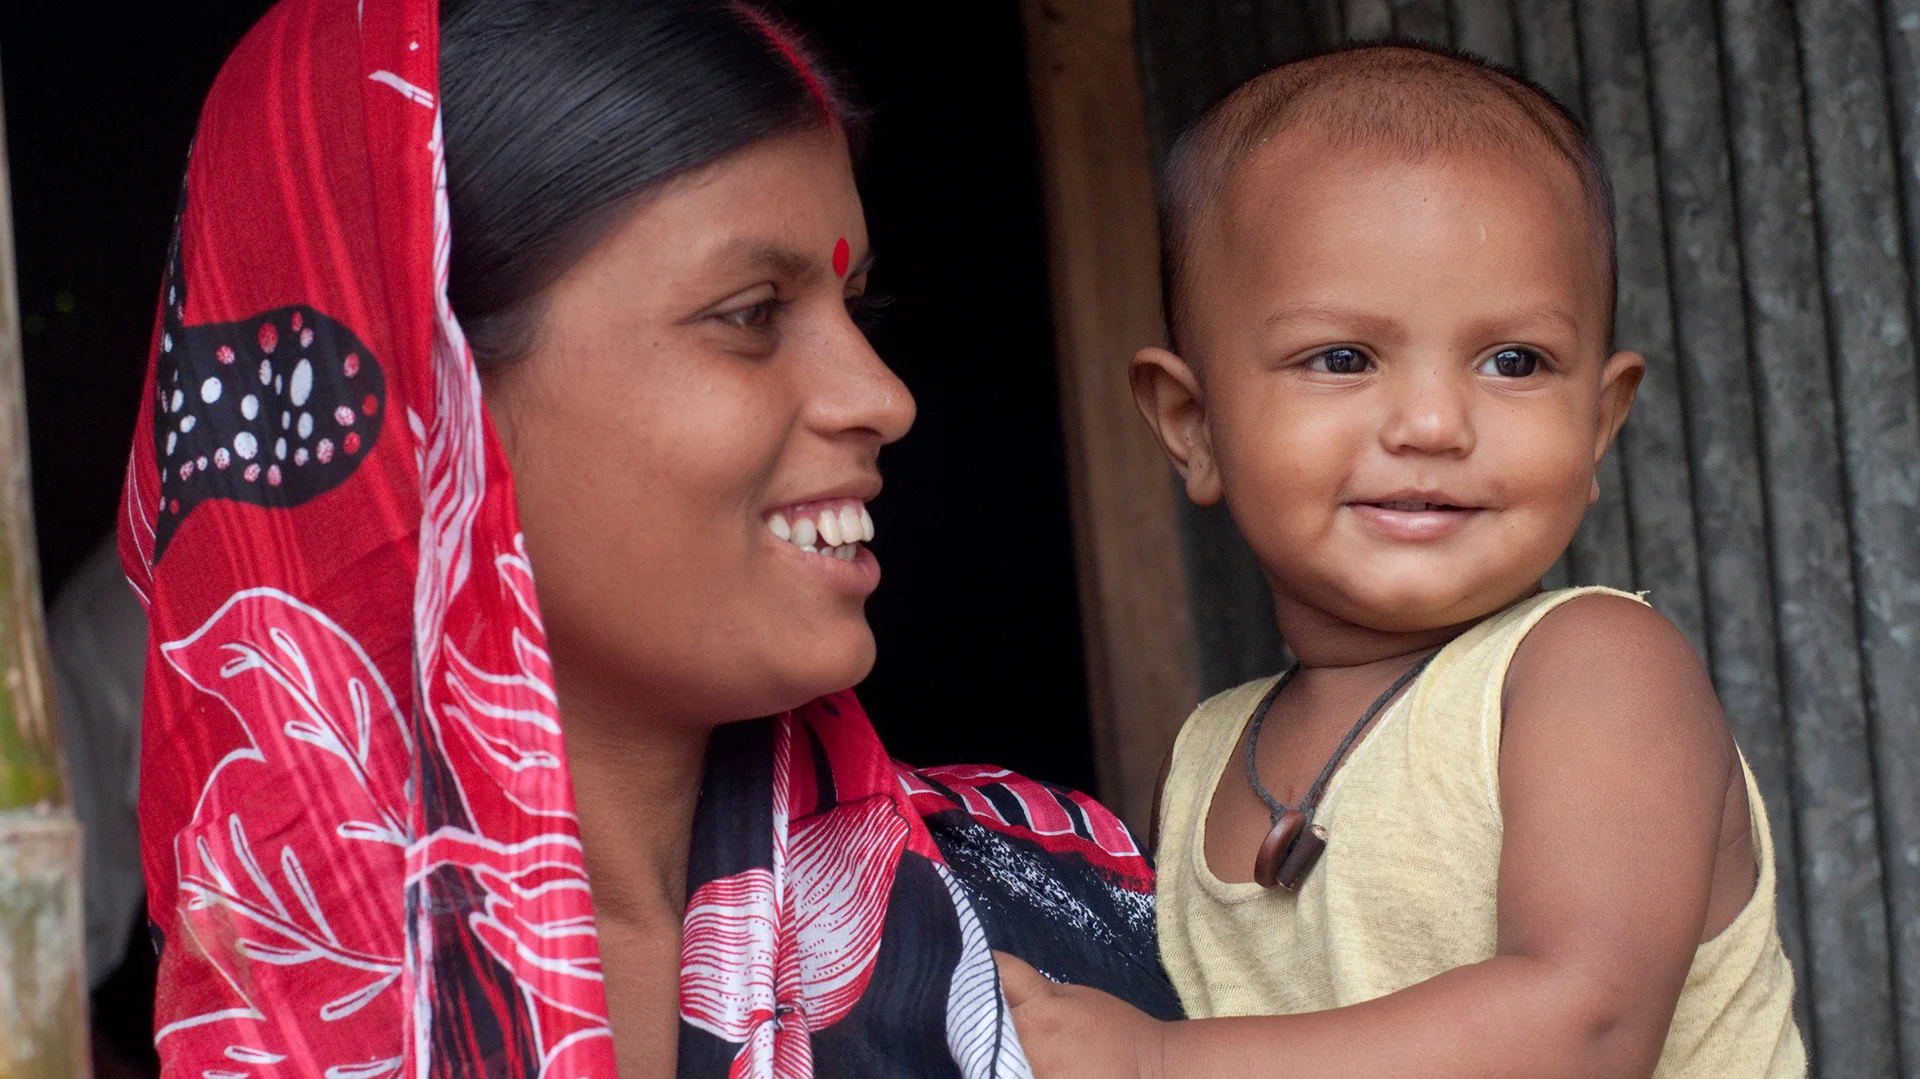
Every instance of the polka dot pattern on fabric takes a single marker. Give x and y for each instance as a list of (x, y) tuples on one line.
[(291, 394)]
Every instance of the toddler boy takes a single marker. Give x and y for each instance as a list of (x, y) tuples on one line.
[(1480, 829)]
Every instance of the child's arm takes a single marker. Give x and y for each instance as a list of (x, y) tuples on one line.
[(1616, 769)]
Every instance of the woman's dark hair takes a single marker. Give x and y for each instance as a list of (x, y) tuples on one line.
[(559, 113)]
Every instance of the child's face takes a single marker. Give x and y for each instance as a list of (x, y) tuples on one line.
[(1396, 375)]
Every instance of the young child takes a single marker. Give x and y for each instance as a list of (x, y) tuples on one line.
[(1481, 829)]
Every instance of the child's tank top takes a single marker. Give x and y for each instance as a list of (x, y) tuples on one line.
[(1406, 888)]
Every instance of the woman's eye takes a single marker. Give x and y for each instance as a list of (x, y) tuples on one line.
[(1340, 361), (754, 317), (1511, 363), (865, 308)]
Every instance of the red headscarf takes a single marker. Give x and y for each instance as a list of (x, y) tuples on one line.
[(359, 835)]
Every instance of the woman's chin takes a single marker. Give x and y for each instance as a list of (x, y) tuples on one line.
[(839, 657), (853, 659)]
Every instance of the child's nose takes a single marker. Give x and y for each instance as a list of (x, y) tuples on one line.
[(1429, 415)]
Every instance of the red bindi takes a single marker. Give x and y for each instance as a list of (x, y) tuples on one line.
[(842, 256)]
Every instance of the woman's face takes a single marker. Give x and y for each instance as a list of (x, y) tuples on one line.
[(696, 391)]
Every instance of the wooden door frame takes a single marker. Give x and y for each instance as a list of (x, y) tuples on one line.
[(1103, 253)]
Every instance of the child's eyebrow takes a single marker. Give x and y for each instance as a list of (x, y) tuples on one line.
[(1387, 327), (1529, 316), (1367, 322)]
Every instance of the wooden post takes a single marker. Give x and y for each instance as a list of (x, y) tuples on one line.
[(1104, 256), (43, 1025)]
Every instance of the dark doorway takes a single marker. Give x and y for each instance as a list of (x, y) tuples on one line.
[(978, 623)]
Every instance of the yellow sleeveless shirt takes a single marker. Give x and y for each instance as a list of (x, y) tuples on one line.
[(1405, 889)]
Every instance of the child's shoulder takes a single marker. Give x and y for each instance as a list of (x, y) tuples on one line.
[(1599, 633), (1609, 664), (1584, 626), (1552, 611)]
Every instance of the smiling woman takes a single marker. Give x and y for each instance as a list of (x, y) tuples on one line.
[(707, 342), (405, 814)]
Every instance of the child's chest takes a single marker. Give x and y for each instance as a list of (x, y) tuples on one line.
[(1405, 888), (1294, 748)]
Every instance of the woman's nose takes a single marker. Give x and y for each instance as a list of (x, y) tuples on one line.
[(861, 395), (1429, 414)]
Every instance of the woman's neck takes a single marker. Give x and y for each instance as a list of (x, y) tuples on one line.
[(636, 781)]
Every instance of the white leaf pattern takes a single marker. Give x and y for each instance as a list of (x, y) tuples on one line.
[(980, 1032), (771, 955), (309, 703)]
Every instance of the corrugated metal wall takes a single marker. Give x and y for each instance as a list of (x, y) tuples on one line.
[(1766, 160)]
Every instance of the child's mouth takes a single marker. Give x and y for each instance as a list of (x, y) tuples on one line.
[(1413, 520), (1403, 506)]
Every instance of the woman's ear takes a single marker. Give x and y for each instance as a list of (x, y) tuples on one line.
[(1169, 395)]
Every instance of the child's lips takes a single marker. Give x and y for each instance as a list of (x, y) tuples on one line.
[(1413, 520)]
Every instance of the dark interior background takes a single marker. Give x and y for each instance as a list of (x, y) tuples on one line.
[(979, 630)]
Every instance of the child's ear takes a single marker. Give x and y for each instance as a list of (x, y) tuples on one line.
[(1168, 393), (1619, 381)]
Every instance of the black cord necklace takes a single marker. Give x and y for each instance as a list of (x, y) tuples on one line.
[(1295, 843)]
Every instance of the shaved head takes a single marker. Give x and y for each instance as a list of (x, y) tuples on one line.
[(1410, 101)]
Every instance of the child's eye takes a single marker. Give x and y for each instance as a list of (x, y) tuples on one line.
[(1340, 361), (753, 316), (1511, 363)]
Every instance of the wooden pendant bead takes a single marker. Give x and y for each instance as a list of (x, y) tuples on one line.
[(1275, 848), (1302, 858)]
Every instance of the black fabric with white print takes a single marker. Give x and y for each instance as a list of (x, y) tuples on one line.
[(272, 410)]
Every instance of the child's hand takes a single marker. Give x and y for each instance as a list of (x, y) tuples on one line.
[(1072, 1032)]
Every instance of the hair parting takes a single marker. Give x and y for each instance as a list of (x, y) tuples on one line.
[(789, 45), (560, 115)]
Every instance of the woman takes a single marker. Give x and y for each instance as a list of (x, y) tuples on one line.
[(379, 775)]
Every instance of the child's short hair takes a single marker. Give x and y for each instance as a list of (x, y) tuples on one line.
[(1414, 99)]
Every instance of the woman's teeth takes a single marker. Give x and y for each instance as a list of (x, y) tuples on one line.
[(833, 531)]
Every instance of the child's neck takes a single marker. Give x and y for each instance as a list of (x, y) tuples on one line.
[(1322, 639)]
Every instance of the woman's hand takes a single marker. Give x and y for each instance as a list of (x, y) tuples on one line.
[(1072, 1032)]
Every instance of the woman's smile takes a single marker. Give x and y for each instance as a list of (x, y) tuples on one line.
[(828, 536)]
